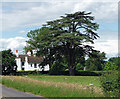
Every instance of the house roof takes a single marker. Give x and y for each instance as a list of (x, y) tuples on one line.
[(31, 59)]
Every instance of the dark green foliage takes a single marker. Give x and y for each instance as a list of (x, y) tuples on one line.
[(8, 62), (80, 63), (110, 83), (57, 69), (79, 66), (95, 61), (115, 60), (65, 38), (87, 73), (110, 66), (21, 73), (59, 72)]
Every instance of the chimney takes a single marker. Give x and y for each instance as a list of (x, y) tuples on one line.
[(29, 53), (16, 53)]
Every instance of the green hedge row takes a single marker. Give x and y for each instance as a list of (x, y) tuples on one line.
[(20, 73), (77, 73), (82, 73)]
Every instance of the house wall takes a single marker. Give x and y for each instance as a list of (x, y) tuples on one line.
[(18, 63), (28, 67), (31, 66)]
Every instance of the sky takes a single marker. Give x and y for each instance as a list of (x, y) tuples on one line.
[(18, 18)]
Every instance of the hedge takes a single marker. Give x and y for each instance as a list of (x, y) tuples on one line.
[(20, 73), (77, 73)]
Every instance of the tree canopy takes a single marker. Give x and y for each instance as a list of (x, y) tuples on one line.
[(96, 62), (8, 62), (65, 37), (115, 60)]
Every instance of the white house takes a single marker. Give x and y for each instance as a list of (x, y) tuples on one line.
[(29, 62)]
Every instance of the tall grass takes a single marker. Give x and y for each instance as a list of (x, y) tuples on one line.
[(49, 89), (82, 80)]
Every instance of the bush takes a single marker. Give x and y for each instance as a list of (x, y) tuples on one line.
[(110, 83), (20, 73), (57, 69), (88, 73), (110, 66), (79, 66)]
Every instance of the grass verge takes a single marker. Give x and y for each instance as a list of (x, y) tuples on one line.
[(50, 89)]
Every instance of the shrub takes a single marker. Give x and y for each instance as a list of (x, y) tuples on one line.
[(60, 72), (20, 73), (86, 73), (57, 69), (110, 83), (79, 66), (110, 66)]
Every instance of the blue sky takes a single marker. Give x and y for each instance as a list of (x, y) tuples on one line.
[(20, 17)]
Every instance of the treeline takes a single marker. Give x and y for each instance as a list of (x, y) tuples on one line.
[(90, 64), (84, 66)]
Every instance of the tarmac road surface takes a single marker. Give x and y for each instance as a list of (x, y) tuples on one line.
[(9, 93)]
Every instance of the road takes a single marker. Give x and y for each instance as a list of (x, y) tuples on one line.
[(15, 94)]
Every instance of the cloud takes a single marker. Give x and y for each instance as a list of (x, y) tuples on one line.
[(57, 0), (110, 47), (105, 11), (22, 32), (36, 14), (17, 43)]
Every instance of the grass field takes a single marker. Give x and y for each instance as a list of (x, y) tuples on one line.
[(56, 86), (82, 80)]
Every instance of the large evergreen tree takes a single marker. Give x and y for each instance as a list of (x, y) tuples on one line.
[(65, 37)]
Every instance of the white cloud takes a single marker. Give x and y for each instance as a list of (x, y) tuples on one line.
[(17, 43), (22, 32), (57, 0), (110, 47), (105, 11), (36, 14)]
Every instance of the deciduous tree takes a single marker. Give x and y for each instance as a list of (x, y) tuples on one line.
[(8, 62)]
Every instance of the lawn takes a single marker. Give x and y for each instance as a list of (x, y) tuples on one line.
[(55, 86)]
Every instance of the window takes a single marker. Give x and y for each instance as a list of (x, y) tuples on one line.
[(35, 65), (22, 63), (22, 68)]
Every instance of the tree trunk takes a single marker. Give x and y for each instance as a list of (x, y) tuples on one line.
[(71, 71), (71, 62)]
